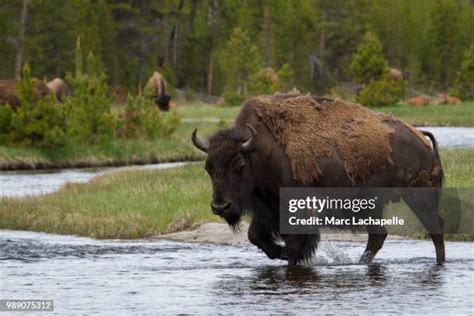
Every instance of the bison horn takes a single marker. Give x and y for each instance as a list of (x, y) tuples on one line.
[(198, 143), (250, 143)]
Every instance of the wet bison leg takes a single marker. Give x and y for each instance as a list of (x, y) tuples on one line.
[(425, 204), (300, 248), (375, 242), (262, 237)]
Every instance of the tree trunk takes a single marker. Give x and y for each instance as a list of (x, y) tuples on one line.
[(266, 35), (21, 36), (209, 74)]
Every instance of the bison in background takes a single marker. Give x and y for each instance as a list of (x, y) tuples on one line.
[(158, 85), (59, 88), (397, 74), (420, 100), (8, 92), (445, 99)]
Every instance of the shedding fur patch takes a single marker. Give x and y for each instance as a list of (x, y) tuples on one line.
[(309, 130)]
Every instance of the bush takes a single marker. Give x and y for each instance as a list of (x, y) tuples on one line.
[(382, 92), (88, 115), (264, 81), (233, 98), (5, 122), (464, 84), (37, 124), (368, 63), (40, 125), (142, 118)]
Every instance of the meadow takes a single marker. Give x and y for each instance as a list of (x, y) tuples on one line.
[(136, 204)]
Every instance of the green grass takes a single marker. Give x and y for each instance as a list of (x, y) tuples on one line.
[(177, 147), (135, 204), (129, 204), (433, 115)]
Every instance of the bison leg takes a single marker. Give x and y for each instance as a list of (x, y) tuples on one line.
[(300, 247), (425, 205), (262, 237), (375, 242)]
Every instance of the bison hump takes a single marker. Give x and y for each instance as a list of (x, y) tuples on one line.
[(309, 130)]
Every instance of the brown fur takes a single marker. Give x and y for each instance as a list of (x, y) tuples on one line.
[(8, 92), (309, 130), (157, 83), (420, 100), (396, 74), (59, 88), (448, 100)]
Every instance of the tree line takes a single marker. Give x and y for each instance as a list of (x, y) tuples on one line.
[(219, 46)]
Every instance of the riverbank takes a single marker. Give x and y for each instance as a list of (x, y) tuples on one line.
[(142, 203), (177, 147), (220, 233)]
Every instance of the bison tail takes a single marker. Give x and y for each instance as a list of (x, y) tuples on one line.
[(436, 151)]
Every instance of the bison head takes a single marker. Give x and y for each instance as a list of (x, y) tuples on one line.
[(228, 166)]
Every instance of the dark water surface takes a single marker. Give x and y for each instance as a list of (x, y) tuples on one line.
[(86, 276)]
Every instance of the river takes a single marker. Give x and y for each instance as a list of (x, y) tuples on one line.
[(86, 276)]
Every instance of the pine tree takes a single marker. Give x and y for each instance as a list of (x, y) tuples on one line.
[(368, 63)]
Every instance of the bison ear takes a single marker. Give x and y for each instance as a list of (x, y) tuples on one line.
[(249, 144), (199, 143)]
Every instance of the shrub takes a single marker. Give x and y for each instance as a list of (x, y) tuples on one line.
[(382, 92), (38, 124), (368, 63), (286, 75), (142, 118), (5, 122), (264, 81), (88, 115), (233, 98), (464, 84)]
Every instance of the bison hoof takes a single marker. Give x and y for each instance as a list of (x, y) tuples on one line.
[(366, 258)]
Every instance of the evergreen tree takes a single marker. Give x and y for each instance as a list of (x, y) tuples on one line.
[(368, 63)]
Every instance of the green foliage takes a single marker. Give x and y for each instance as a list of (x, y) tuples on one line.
[(287, 77), (38, 125), (264, 81), (464, 84), (233, 98), (142, 118), (88, 115), (238, 60), (382, 92), (6, 113), (368, 63)]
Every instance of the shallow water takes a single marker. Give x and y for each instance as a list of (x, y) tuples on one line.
[(452, 137), (86, 276), (21, 183)]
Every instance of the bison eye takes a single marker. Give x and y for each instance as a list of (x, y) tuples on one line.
[(239, 166)]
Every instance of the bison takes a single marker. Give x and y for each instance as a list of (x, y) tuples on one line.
[(59, 88), (248, 164), (8, 92), (421, 100), (158, 85)]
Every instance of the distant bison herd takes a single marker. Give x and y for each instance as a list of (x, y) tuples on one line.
[(58, 87)]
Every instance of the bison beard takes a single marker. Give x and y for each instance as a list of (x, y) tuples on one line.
[(294, 140)]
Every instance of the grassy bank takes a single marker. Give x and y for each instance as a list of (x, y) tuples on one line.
[(177, 147), (134, 204)]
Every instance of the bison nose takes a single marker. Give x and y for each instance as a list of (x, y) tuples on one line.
[(220, 208)]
